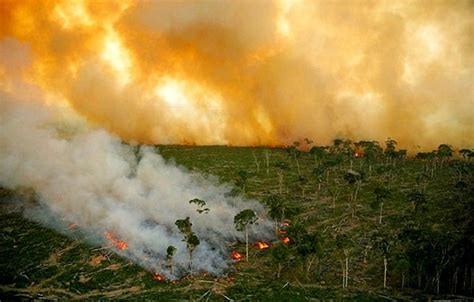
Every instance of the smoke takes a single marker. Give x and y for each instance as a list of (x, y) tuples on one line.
[(255, 72), (90, 178)]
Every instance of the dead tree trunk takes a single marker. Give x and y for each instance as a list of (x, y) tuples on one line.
[(380, 216), (268, 162), (257, 164)]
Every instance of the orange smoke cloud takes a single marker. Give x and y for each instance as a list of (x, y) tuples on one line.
[(252, 72)]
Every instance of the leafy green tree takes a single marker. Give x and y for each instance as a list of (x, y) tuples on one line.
[(296, 154), (337, 145), (465, 153), (242, 221), (402, 267), (281, 168), (319, 153), (318, 172), (306, 245), (381, 194), (279, 209), (201, 205), (192, 241), (242, 179), (354, 178), (390, 148), (372, 151), (280, 254), (444, 152), (302, 181), (170, 252), (384, 245), (417, 199), (344, 246)]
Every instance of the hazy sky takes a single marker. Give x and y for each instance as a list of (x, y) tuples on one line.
[(249, 72)]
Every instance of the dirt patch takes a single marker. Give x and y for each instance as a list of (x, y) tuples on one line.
[(96, 260)]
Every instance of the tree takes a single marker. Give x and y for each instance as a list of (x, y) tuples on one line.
[(344, 245), (170, 251), (354, 177), (384, 245), (318, 172), (241, 221), (402, 267), (390, 146), (337, 145), (305, 244), (318, 152), (444, 152), (296, 153), (279, 209), (241, 180), (372, 151), (465, 153), (381, 194), (280, 254), (192, 241), (417, 199), (282, 167), (201, 205), (302, 181)]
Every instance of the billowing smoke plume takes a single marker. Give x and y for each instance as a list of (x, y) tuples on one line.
[(91, 179), (255, 72)]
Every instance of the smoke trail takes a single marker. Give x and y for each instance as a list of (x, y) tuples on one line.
[(90, 178)]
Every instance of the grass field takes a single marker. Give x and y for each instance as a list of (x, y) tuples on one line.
[(37, 262)]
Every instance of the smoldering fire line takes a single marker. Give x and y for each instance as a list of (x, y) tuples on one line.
[(93, 182)]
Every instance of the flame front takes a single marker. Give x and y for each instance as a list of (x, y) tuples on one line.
[(118, 243), (262, 245), (158, 277), (236, 256), (285, 240)]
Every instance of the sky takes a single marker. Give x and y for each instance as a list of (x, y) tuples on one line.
[(248, 72)]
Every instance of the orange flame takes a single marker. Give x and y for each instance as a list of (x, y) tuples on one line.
[(158, 277), (262, 245), (359, 154), (120, 244), (236, 256), (286, 240)]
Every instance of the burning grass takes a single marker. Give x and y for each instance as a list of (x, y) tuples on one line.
[(118, 243)]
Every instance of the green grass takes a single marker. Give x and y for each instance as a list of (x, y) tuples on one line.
[(37, 262)]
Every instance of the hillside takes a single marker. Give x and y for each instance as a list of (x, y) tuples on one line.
[(349, 213)]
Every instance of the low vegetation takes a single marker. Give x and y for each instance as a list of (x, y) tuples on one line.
[(359, 221)]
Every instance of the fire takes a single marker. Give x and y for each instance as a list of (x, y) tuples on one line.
[(286, 240), (359, 154), (236, 256), (158, 277), (262, 245), (118, 243)]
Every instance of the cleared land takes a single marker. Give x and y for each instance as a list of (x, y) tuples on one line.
[(321, 199)]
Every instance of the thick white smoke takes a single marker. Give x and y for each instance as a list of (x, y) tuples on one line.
[(89, 177)]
